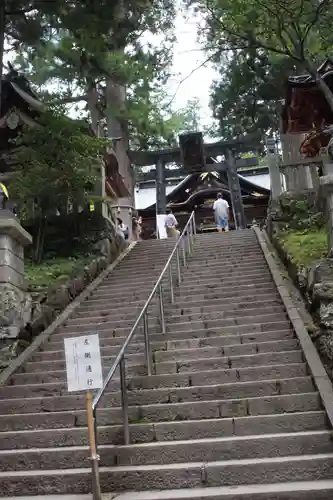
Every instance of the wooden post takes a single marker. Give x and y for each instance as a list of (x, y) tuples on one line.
[(235, 192), (96, 489)]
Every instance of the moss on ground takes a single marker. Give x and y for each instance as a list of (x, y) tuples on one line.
[(305, 247), (53, 270)]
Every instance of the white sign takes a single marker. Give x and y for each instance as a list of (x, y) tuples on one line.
[(83, 363), (160, 226)]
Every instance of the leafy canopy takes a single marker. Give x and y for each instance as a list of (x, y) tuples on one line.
[(56, 166)]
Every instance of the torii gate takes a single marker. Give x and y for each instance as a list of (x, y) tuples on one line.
[(192, 153)]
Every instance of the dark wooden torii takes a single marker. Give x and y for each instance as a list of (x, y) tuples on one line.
[(221, 148)]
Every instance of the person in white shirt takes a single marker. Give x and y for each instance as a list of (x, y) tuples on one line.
[(221, 213), (122, 228), (171, 224)]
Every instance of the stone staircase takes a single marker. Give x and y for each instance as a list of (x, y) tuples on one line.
[(231, 413)]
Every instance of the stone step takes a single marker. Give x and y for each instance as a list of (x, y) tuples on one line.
[(163, 395), (227, 254), (195, 474), (182, 343), (117, 282), (173, 452), (209, 324), (133, 309), (112, 321), (227, 270), (131, 292), (55, 382), (236, 292), (228, 322), (298, 490), (229, 362), (193, 333), (135, 362), (229, 448), (197, 410), (167, 431), (171, 310), (194, 410), (219, 349)]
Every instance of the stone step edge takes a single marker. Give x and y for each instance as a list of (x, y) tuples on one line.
[(166, 423), (190, 349), (167, 389), (183, 361), (246, 492), (250, 322), (167, 375), (167, 405), (234, 335), (194, 315), (171, 309), (170, 444), (243, 299), (179, 466), (57, 336)]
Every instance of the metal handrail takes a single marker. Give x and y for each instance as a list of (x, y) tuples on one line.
[(180, 247), (144, 309)]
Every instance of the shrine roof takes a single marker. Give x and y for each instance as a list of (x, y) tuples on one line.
[(197, 187)]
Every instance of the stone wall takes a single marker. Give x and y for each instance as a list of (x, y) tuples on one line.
[(315, 282)]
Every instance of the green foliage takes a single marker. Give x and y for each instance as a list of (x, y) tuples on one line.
[(255, 46), (53, 271), (248, 94), (57, 166), (299, 30), (305, 247), (159, 128), (83, 47), (300, 211)]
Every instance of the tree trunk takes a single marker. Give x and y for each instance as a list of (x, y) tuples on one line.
[(39, 248), (321, 84), (93, 106)]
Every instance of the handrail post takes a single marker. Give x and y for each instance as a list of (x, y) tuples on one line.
[(178, 266), (194, 225), (171, 284), (94, 458), (189, 239), (160, 293), (192, 232), (124, 400), (147, 346), (184, 252)]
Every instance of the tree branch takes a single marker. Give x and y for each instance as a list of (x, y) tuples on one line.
[(322, 5), (69, 100)]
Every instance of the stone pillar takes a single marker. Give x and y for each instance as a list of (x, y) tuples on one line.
[(274, 169), (15, 304), (296, 176)]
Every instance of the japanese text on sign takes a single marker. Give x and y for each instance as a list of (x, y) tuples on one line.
[(83, 363)]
